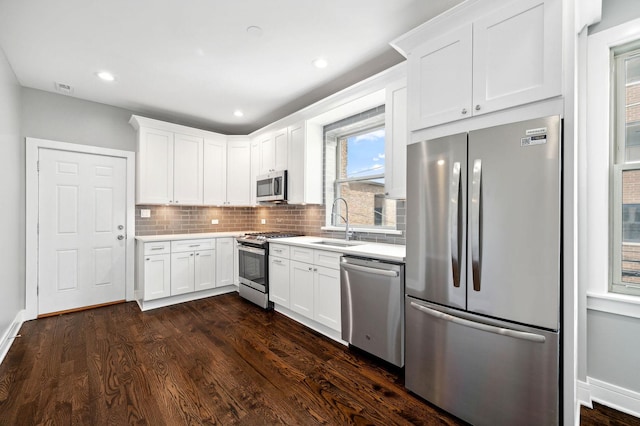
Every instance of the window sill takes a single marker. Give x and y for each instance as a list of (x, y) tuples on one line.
[(613, 303), (363, 230)]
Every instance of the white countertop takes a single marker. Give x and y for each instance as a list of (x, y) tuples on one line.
[(382, 251), (194, 236)]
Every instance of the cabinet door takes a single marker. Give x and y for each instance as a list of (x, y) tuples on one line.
[(157, 276), (187, 170), (396, 137), (224, 261), (238, 176), (267, 154), (326, 298), (305, 184), (205, 269), (215, 172), (281, 150), (182, 273), (440, 74), (517, 55), (301, 288), (279, 281), (155, 167)]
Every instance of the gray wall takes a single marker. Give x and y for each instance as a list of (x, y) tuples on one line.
[(616, 12), (67, 119), (612, 349), (12, 223)]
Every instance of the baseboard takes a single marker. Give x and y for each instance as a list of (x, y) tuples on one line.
[(182, 298), (307, 322), (10, 334), (613, 396)]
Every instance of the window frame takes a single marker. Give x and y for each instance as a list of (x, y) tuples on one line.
[(620, 165)]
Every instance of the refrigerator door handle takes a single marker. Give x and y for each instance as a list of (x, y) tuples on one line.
[(454, 214), (476, 223), (522, 335)]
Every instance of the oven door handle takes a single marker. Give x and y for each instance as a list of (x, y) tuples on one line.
[(251, 250)]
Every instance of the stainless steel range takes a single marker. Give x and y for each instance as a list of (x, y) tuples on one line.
[(253, 250)]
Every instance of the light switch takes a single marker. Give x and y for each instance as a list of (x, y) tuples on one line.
[(145, 213)]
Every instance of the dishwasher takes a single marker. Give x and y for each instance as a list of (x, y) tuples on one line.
[(372, 293)]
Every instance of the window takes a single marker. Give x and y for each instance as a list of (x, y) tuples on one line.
[(626, 171), (357, 174)]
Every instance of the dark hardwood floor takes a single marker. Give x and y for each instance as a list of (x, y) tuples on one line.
[(215, 361)]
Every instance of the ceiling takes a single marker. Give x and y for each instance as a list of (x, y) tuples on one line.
[(195, 62)]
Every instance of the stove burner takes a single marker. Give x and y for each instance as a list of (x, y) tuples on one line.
[(262, 237)]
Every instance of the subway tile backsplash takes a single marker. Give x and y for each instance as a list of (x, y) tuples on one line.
[(305, 220)]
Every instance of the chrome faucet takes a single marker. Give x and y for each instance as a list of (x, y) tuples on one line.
[(347, 233)]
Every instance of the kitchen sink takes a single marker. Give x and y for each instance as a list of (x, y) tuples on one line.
[(336, 243)]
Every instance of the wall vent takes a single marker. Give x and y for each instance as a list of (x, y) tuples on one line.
[(64, 88)]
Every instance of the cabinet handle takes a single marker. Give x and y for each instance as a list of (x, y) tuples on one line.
[(194, 245), (464, 111), (478, 107), (191, 254), (157, 248), (315, 269), (148, 258), (277, 261), (310, 268)]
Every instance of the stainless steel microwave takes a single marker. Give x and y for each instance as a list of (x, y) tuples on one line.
[(272, 187)]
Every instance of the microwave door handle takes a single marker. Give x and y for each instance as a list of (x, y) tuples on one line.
[(276, 186)]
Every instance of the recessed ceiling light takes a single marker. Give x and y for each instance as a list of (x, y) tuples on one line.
[(106, 76), (320, 63), (238, 113), (254, 31)]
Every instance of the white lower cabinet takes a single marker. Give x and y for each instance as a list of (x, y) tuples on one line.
[(224, 261), (314, 285), (157, 279), (173, 268), (279, 266)]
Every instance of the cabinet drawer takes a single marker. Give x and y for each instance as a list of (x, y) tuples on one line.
[(161, 247), (329, 259), (192, 245), (279, 250), (301, 254)]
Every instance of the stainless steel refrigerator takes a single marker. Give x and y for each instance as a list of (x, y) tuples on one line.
[(483, 273)]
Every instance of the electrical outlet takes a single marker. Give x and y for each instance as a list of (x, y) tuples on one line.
[(145, 213), (263, 221), (215, 221)]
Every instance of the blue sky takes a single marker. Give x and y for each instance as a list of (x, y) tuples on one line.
[(366, 154)]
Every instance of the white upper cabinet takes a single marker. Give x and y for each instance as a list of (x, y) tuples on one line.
[(396, 138), (305, 164), (187, 169), (440, 75), (273, 151), (215, 171), (238, 176), (169, 168), (509, 57), (254, 169), (517, 55), (154, 169)]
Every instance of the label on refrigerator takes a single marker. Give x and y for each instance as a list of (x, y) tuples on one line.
[(533, 140)]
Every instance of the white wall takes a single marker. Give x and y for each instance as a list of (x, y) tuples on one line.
[(12, 226), (63, 118)]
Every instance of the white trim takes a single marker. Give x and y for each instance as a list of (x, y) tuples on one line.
[(613, 396), (614, 303), (181, 298), (596, 187), (10, 334), (307, 322), (33, 145)]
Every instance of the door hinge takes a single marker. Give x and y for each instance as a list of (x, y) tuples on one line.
[(38, 165)]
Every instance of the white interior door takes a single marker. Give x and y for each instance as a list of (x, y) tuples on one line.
[(82, 236)]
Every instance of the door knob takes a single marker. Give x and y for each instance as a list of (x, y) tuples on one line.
[(121, 237), (121, 227)]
